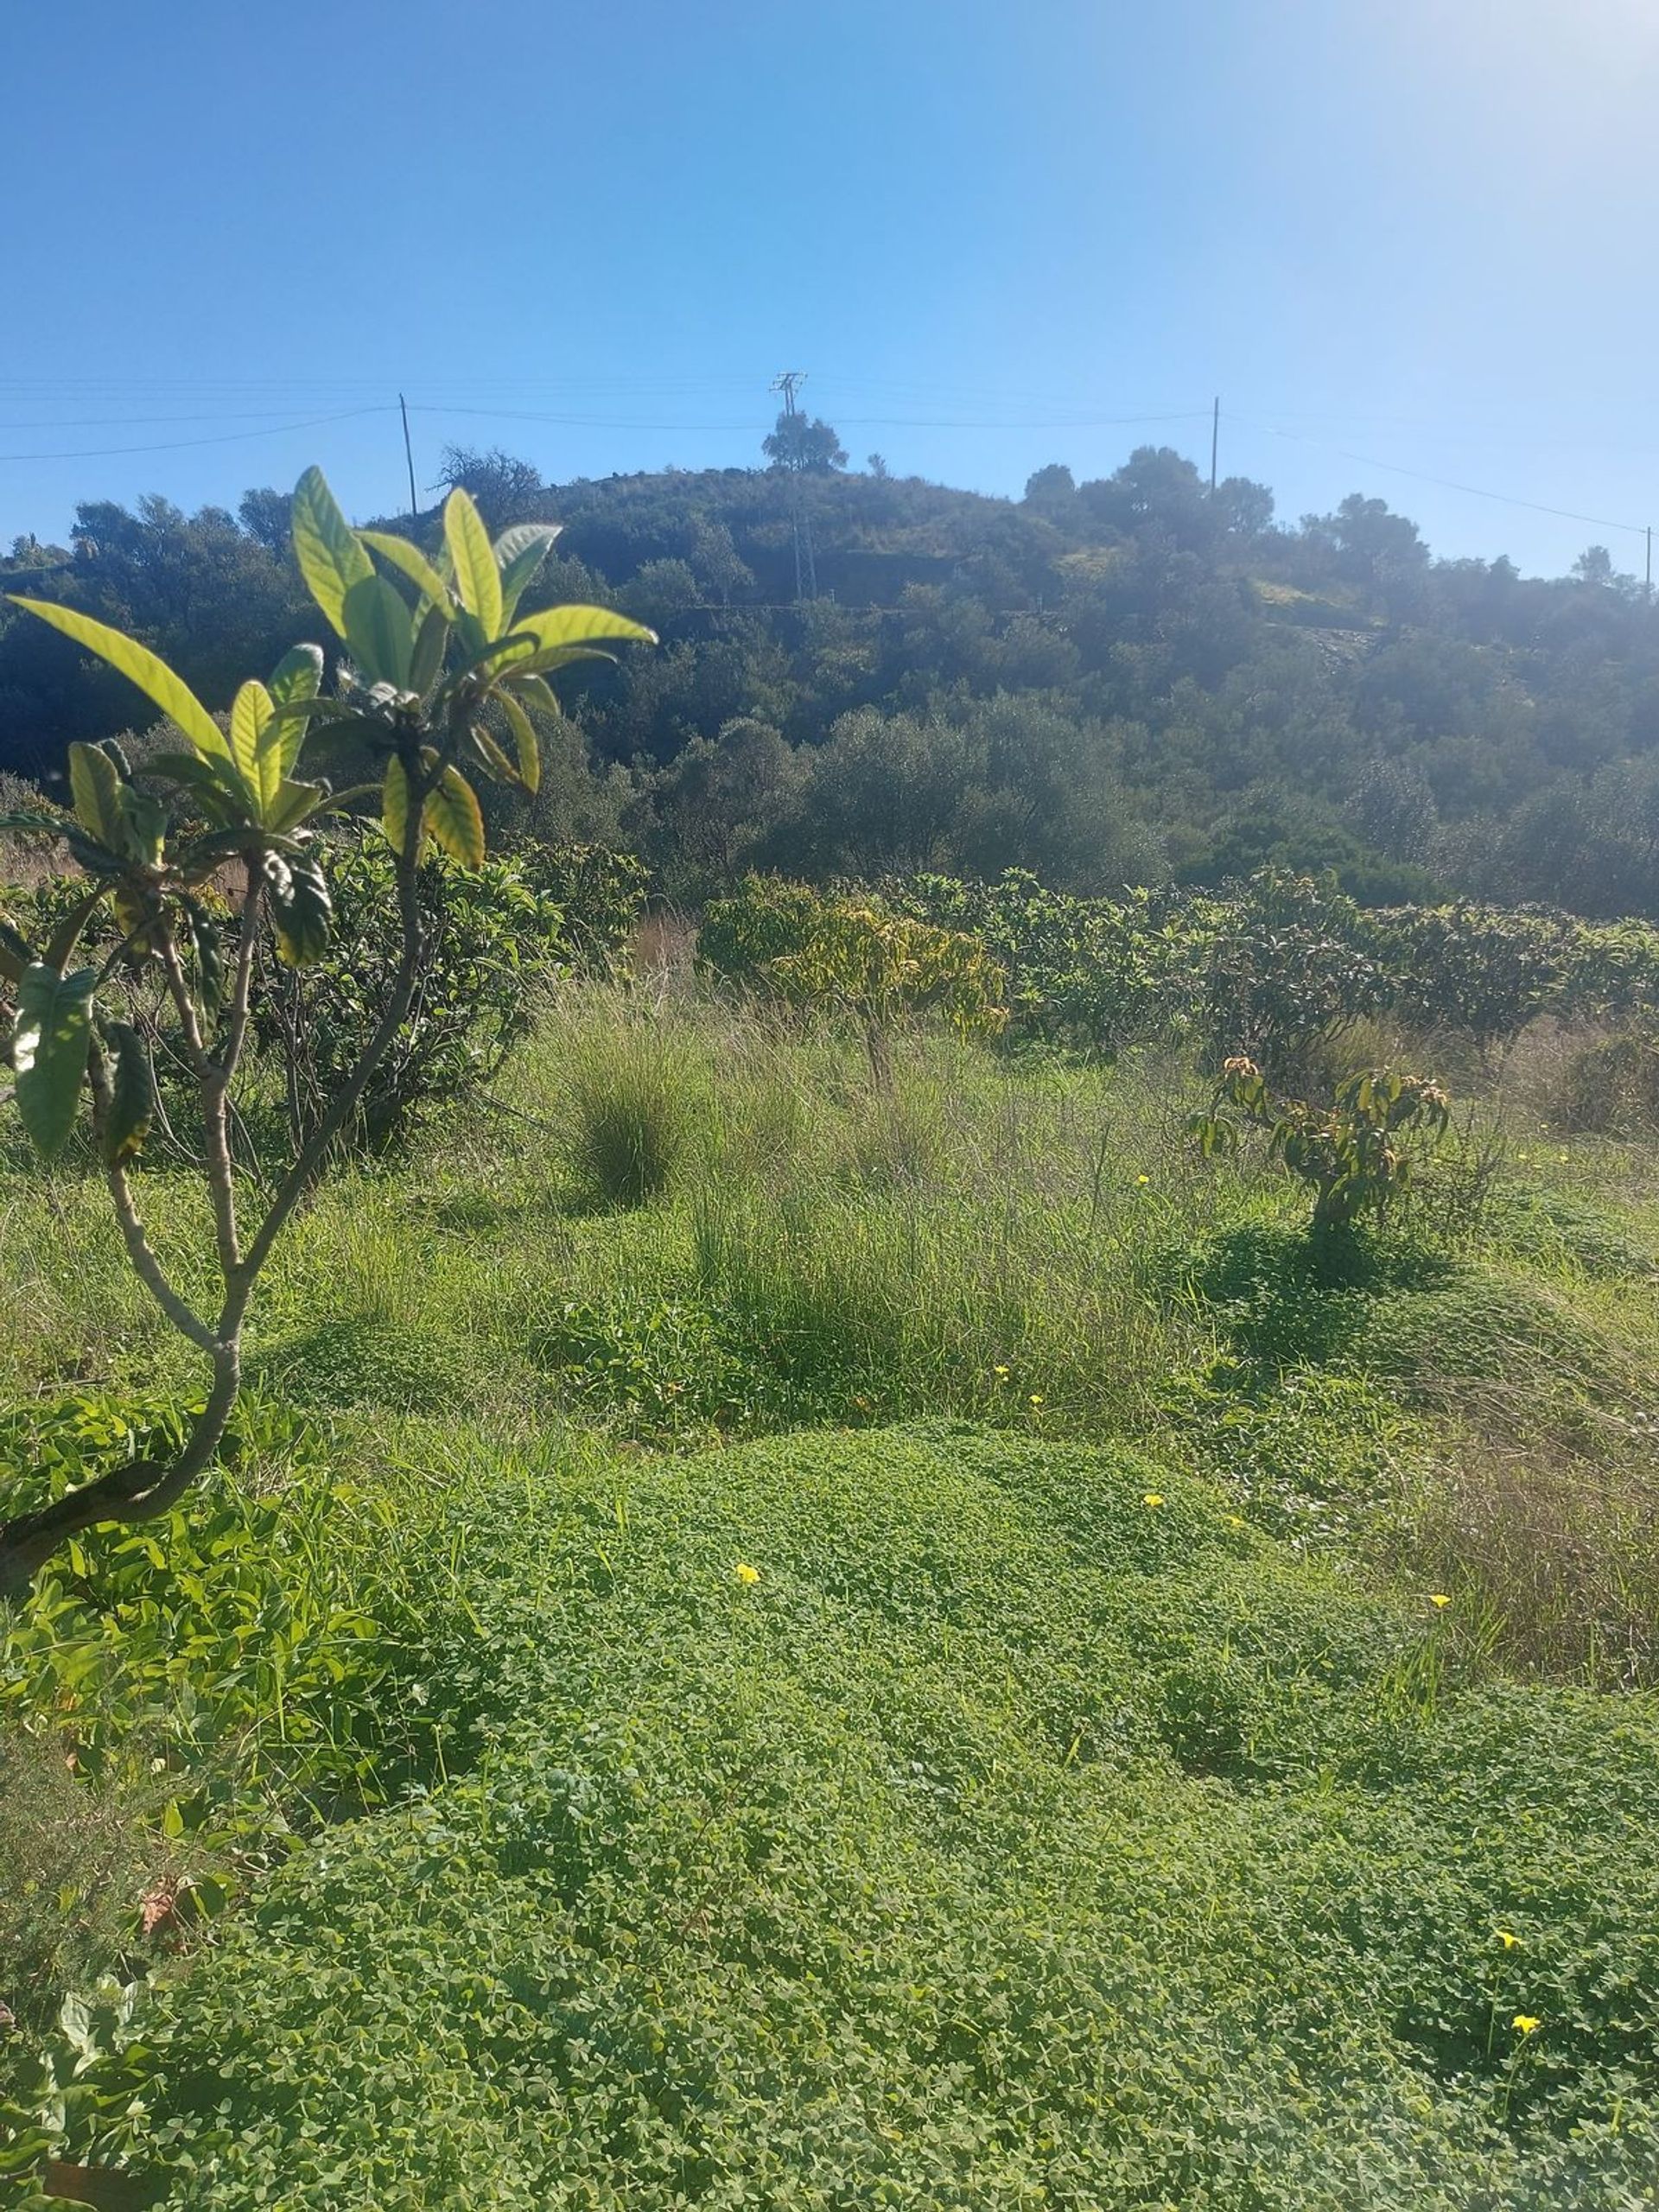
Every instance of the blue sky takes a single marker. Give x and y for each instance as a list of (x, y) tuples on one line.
[(1394, 235)]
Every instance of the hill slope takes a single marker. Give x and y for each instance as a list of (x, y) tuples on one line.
[(1127, 679), (1018, 1832)]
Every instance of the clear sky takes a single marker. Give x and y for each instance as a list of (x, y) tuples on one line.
[(1411, 232)]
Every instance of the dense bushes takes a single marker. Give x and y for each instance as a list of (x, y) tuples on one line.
[(487, 933), (1278, 964), (852, 955), (1126, 681)]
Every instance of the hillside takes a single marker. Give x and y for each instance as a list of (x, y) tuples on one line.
[(1114, 681), (917, 1667)]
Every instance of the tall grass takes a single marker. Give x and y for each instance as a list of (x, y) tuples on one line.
[(756, 1238), (633, 1096)]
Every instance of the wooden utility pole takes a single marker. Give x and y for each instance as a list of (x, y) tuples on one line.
[(1214, 444), (408, 455), (806, 570)]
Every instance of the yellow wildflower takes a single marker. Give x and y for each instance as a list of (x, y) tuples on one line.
[(1507, 1940), (1524, 2021), (1036, 1397), (1001, 1373), (1439, 1597), (1234, 1520), (747, 1574), (1152, 1497), (1143, 1179)]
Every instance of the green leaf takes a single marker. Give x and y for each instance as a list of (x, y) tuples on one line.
[(522, 537), (478, 581), (520, 554), (297, 677), (255, 744), (66, 935), (538, 691), (427, 658), (454, 820), (580, 625), (494, 759), (128, 826), (394, 805), (295, 683), (139, 665), (523, 736), (413, 563), (327, 549), (300, 909), (208, 947), (95, 787), (133, 1103), (143, 827), (48, 1051), (210, 782), (15, 953), (380, 631), (293, 804)]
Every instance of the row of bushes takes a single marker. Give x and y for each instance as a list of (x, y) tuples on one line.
[(1283, 959)]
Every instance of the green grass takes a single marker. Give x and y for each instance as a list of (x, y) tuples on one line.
[(1009, 1840)]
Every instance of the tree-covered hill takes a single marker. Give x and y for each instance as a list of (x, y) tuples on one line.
[(1128, 679)]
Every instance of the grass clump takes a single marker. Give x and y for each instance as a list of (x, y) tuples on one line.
[(632, 1106)]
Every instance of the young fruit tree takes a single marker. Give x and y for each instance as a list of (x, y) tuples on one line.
[(430, 647), (1355, 1156), (857, 955)]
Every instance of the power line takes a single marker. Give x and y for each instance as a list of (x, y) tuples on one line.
[(210, 392), (852, 421), (1446, 483), (178, 445)]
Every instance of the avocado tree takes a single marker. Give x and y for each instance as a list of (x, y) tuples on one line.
[(429, 645), (1355, 1156)]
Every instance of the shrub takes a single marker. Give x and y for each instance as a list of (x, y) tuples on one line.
[(1092, 973), (1287, 963), (599, 892), (76, 1862), (487, 934), (218, 1652), (1611, 1088), (854, 955), (1355, 1156)]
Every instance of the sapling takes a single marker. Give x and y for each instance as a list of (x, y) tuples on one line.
[(431, 645), (1355, 1154)]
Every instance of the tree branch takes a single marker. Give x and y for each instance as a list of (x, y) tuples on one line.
[(140, 1251), (312, 1153), (138, 1491)]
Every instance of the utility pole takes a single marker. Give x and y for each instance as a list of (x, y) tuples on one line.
[(408, 455), (1214, 444), (806, 573), (1649, 579)]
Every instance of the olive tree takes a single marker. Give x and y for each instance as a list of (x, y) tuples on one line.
[(429, 646)]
